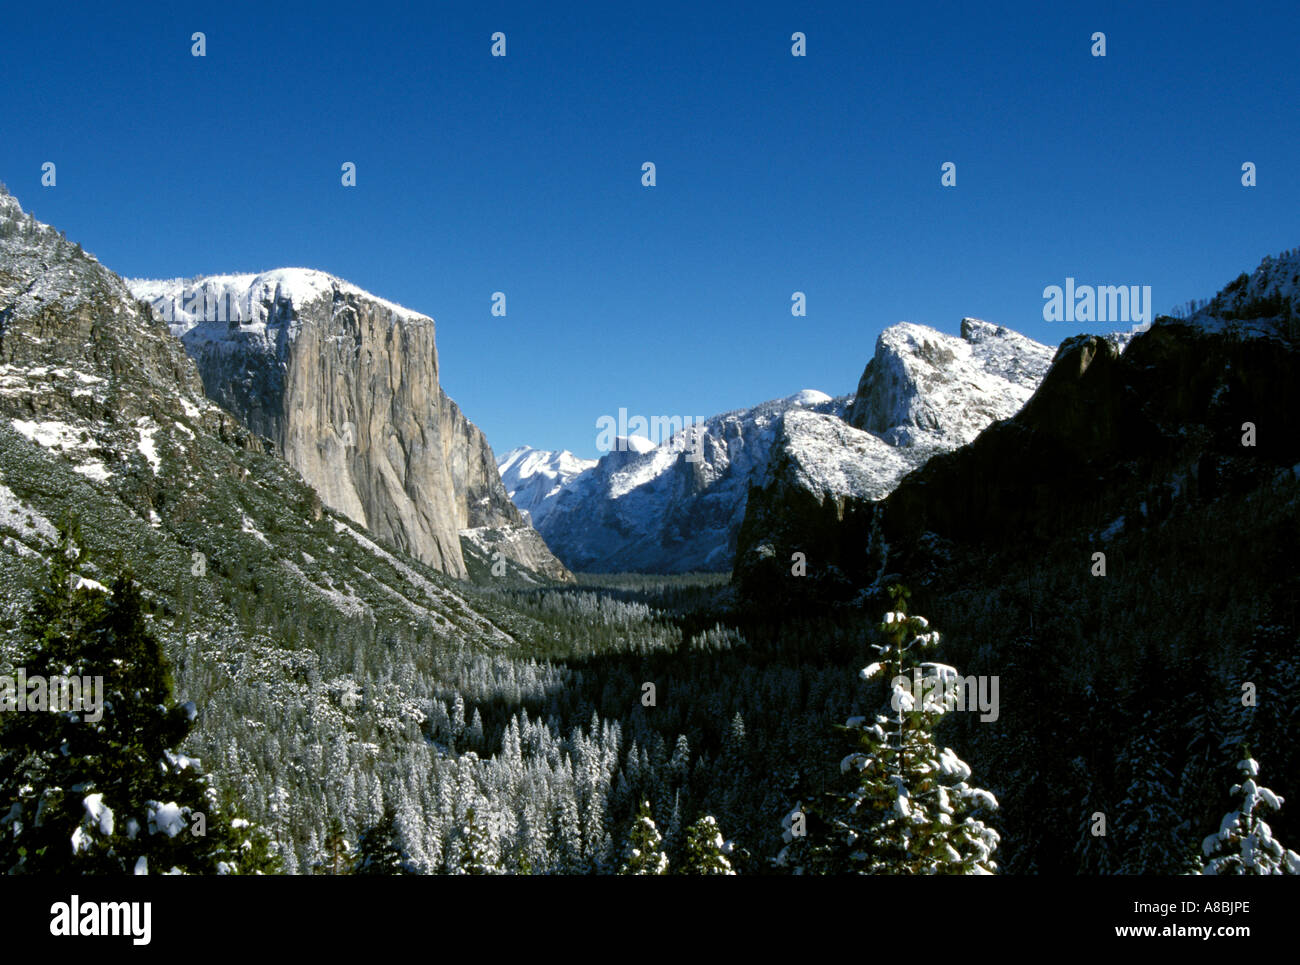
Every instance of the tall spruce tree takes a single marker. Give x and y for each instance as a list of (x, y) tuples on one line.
[(911, 809), (100, 788)]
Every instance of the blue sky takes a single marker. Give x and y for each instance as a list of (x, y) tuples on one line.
[(775, 174)]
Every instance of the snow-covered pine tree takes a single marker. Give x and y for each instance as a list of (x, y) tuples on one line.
[(706, 850), (480, 857), (912, 810), (1244, 843), (645, 854), (104, 790)]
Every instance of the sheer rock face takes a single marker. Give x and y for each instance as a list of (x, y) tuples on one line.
[(345, 387)]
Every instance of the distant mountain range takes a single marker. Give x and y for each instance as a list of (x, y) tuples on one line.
[(658, 510)]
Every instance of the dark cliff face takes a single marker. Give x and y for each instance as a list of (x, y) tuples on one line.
[(1103, 429), (1141, 434)]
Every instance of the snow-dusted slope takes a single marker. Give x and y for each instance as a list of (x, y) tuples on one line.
[(1265, 302), (675, 507), (534, 477)]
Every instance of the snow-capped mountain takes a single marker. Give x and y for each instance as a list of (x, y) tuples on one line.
[(344, 385), (679, 507), (534, 477), (929, 390), (673, 507)]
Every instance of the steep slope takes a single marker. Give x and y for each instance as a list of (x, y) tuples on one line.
[(534, 477), (345, 387)]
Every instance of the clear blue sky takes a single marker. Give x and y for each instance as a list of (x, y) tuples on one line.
[(775, 173)]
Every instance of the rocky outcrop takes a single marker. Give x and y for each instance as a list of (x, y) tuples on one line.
[(1110, 439), (925, 389), (344, 385), (922, 394)]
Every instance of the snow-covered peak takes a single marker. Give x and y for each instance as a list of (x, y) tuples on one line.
[(533, 477), (807, 397), (249, 298), (927, 389)]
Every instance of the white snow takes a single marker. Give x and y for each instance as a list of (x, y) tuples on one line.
[(808, 397), (248, 527), (50, 434), (14, 513), (168, 819), (145, 429), (94, 469), (243, 297), (99, 813)]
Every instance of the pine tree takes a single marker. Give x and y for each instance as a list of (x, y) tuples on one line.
[(380, 850), (1244, 843), (911, 810), (706, 850), (479, 853), (645, 855), (102, 790)]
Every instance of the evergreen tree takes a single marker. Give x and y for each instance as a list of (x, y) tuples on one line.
[(911, 810), (645, 855), (479, 856), (706, 850), (380, 850), (1149, 817), (1244, 843), (101, 789)]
